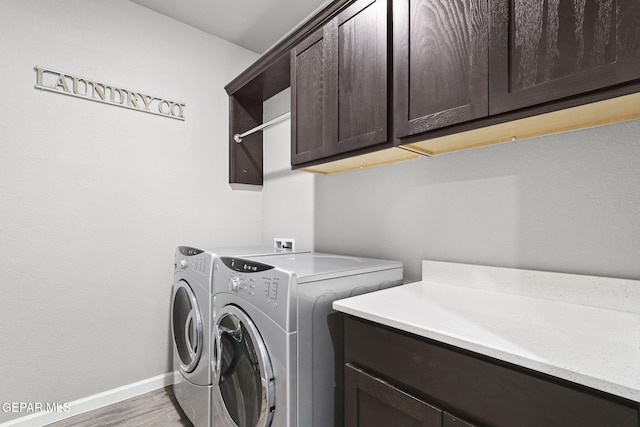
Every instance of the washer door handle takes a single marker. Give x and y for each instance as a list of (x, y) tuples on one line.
[(235, 333), (220, 330), (216, 361), (190, 333)]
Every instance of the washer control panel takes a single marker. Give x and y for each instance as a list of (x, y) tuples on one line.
[(243, 265), (270, 288), (264, 286)]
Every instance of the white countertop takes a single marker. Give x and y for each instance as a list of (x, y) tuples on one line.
[(597, 346)]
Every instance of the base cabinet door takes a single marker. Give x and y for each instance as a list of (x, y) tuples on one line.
[(440, 63), (449, 420), (543, 51), (339, 88), (371, 402)]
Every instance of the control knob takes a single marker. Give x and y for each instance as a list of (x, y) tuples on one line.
[(183, 264), (236, 284)]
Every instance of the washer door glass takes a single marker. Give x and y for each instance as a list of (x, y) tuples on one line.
[(186, 324), (242, 370)]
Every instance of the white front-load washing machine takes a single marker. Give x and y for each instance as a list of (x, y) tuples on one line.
[(191, 324), (276, 338)]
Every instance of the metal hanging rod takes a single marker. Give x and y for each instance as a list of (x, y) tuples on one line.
[(238, 136)]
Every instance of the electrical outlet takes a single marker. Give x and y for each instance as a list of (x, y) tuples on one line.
[(284, 244)]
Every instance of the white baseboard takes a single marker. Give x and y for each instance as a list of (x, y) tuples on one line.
[(96, 401)]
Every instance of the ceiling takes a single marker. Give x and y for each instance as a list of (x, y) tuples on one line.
[(253, 24)]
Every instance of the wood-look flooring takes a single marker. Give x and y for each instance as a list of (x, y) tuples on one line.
[(157, 408)]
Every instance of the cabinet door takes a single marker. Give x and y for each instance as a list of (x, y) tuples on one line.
[(449, 420), (371, 402), (440, 63), (547, 50), (360, 98), (310, 78), (339, 84)]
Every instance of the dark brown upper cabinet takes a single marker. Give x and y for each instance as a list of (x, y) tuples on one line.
[(440, 63), (426, 77), (547, 50), (339, 88)]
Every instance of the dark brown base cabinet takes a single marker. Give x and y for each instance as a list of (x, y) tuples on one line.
[(392, 378), (373, 402)]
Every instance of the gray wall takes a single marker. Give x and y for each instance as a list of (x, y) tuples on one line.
[(287, 195), (567, 202), (95, 198)]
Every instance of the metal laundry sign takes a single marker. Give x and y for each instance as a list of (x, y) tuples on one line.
[(80, 87)]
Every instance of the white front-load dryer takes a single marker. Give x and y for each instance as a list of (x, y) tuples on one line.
[(191, 324)]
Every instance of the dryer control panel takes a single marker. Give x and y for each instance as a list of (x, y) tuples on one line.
[(264, 286), (192, 260)]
